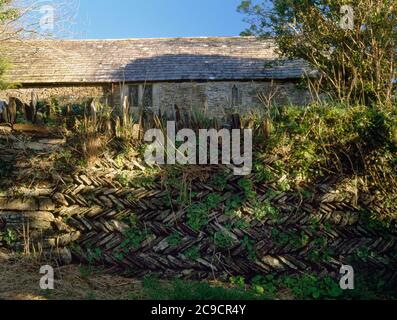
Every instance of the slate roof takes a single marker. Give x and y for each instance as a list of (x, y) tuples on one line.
[(173, 59)]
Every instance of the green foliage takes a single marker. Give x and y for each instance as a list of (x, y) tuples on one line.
[(262, 173), (295, 239), (364, 253), (309, 143), (266, 210), (174, 180), (220, 181), (242, 224), (320, 251), (197, 213), (191, 290), (249, 247), (129, 179), (356, 63), (223, 240), (197, 216), (4, 65), (247, 186), (237, 281), (6, 168), (264, 285), (133, 239), (10, 237), (7, 12), (174, 239), (306, 286), (371, 285), (310, 286), (193, 253), (232, 204), (94, 255)]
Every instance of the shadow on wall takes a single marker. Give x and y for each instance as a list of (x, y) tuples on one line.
[(219, 73)]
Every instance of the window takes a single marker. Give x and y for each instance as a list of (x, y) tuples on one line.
[(140, 95), (147, 100), (237, 98), (133, 95)]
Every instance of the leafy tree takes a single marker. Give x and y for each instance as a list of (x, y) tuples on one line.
[(7, 14), (351, 43), (3, 67)]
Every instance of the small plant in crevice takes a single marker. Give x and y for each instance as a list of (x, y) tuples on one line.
[(248, 187), (197, 213), (363, 255), (249, 246), (264, 210), (295, 239), (174, 239), (192, 253), (237, 281), (10, 236), (133, 239), (197, 216), (264, 285), (232, 204), (319, 250), (94, 255), (223, 240), (220, 181), (263, 174)]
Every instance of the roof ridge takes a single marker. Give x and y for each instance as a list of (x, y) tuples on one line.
[(142, 39)]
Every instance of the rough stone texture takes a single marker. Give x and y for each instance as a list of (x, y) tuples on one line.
[(5, 129), (36, 146), (97, 209), (39, 220), (132, 225), (187, 72), (64, 94), (215, 98), (46, 204), (19, 204)]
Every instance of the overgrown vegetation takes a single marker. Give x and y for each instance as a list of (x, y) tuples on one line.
[(3, 68), (7, 14), (352, 44), (350, 141), (331, 140)]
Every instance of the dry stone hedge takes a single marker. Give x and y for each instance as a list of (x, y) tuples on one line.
[(90, 213)]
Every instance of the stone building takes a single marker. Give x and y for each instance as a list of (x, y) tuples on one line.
[(216, 75)]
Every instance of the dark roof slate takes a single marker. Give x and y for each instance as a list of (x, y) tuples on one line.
[(173, 59)]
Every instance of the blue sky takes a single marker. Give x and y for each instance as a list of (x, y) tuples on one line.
[(114, 19)]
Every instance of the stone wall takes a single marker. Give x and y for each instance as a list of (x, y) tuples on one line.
[(64, 94), (90, 215), (215, 98)]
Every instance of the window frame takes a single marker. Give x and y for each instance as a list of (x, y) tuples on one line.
[(237, 96), (139, 92)]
